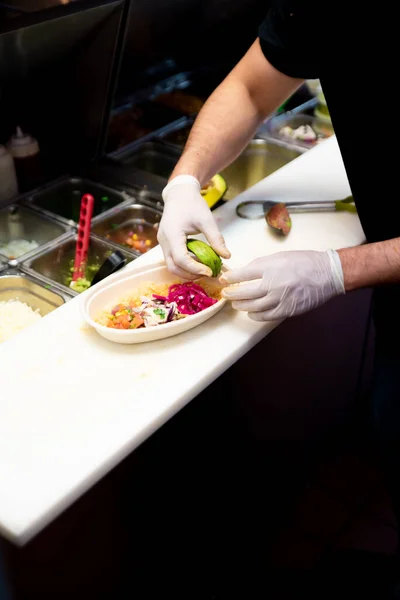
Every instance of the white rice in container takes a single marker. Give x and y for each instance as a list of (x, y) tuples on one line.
[(14, 317)]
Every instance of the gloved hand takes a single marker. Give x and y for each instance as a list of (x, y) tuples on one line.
[(285, 284), (186, 213)]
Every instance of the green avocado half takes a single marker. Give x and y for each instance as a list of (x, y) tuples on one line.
[(206, 255)]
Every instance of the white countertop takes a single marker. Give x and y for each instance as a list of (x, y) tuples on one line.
[(73, 405)]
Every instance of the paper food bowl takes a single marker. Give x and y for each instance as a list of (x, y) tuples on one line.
[(106, 294)]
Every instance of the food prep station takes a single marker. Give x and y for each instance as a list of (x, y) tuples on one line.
[(127, 144), (49, 215), (109, 426), (121, 150)]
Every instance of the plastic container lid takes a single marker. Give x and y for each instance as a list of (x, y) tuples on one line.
[(22, 145)]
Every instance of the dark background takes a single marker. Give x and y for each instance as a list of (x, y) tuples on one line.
[(65, 67)]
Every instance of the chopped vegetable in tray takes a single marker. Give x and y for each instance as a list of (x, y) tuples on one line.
[(17, 248), (138, 236), (82, 283), (304, 133), (159, 305)]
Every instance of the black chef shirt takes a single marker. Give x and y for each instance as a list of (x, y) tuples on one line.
[(352, 47)]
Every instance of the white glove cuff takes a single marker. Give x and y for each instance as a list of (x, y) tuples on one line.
[(337, 271), (178, 180)]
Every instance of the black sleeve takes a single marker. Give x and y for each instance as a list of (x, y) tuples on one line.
[(288, 40)]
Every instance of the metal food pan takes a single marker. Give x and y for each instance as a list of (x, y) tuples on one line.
[(140, 220), (15, 285), (138, 184), (274, 126), (20, 223), (151, 157), (61, 200), (137, 190), (55, 262), (139, 122), (151, 198), (259, 159), (178, 136)]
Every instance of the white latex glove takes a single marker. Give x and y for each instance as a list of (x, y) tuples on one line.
[(285, 284), (186, 213)]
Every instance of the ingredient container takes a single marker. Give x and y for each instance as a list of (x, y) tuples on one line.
[(62, 199), (28, 289), (132, 124), (149, 198), (259, 159), (134, 227), (322, 114), (22, 231), (151, 157), (56, 264), (275, 131), (177, 136), (182, 101)]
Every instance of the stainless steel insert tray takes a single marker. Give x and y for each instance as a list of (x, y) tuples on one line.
[(18, 222), (258, 160), (152, 157), (61, 199), (15, 285), (116, 226), (178, 136), (55, 262)]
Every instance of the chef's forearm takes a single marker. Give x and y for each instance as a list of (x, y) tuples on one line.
[(232, 114), (371, 264), (225, 125)]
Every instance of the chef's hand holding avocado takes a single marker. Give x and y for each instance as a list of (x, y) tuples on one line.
[(276, 286)]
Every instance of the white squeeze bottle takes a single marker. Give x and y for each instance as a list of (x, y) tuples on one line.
[(26, 153), (8, 178)]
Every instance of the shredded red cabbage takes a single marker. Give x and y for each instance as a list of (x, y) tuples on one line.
[(189, 297)]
